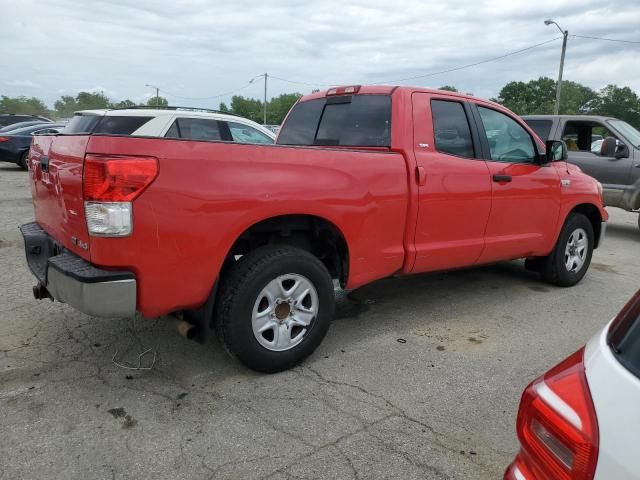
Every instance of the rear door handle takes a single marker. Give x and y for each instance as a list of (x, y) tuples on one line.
[(421, 176), (502, 178)]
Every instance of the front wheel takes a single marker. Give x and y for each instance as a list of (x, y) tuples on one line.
[(275, 307), (570, 258)]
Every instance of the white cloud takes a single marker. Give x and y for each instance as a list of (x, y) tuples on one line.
[(202, 48), (21, 84)]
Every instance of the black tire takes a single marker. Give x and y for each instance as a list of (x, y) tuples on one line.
[(239, 291), (554, 269), (22, 163)]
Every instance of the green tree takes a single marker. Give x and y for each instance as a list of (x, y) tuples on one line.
[(65, 107), (278, 107), (23, 106), (619, 102), (83, 101), (247, 107), (123, 104), (91, 100), (539, 96), (448, 88), (158, 101)]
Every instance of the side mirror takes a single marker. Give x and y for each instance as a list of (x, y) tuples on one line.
[(556, 151), (608, 147), (622, 151)]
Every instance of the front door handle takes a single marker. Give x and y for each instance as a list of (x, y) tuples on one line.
[(502, 178)]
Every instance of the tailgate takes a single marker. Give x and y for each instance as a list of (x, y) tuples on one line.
[(55, 166)]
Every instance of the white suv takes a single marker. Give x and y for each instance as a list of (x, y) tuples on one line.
[(580, 420), (171, 122)]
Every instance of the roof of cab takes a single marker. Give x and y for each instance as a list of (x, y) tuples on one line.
[(389, 89)]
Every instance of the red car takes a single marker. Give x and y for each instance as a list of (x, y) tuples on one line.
[(363, 183)]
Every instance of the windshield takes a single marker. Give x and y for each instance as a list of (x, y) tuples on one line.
[(630, 133)]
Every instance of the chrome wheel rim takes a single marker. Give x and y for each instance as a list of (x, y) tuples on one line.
[(284, 311), (575, 252)]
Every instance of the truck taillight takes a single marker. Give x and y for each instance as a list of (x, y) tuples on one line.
[(110, 184), (343, 90), (117, 179), (4, 139), (557, 426)]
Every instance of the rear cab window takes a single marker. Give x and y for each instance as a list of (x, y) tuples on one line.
[(354, 121)]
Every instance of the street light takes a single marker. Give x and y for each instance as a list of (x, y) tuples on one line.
[(157, 93), (264, 105), (565, 34)]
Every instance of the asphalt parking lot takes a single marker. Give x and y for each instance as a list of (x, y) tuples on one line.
[(418, 377)]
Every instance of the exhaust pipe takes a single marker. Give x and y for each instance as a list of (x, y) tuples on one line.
[(187, 330), (40, 292)]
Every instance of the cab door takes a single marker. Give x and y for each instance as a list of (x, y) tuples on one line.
[(454, 187), (525, 204)]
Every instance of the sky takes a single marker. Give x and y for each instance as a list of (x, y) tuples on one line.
[(200, 52)]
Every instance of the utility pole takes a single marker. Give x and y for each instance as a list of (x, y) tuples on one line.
[(157, 101), (565, 34), (264, 105)]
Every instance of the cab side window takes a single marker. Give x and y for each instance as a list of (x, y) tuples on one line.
[(195, 129), (246, 134), (508, 140), (451, 130), (585, 136)]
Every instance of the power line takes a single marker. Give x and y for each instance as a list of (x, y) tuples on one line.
[(206, 98), (606, 39), (461, 67), (300, 83), (453, 69)]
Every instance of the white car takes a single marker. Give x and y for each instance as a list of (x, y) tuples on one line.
[(173, 122), (581, 420)]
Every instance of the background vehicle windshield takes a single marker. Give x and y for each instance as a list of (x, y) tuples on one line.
[(628, 131)]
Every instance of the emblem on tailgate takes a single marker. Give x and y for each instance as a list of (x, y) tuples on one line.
[(80, 243)]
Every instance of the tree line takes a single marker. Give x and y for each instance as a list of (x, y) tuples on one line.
[(67, 104), (524, 98)]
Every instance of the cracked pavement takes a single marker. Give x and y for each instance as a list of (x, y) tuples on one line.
[(419, 377)]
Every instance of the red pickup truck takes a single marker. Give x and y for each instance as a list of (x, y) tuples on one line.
[(363, 183)]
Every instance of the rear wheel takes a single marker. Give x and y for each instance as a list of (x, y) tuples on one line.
[(275, 307), (22, 163), (570, 258)]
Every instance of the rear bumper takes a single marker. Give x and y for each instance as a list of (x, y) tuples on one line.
[(71, 280)]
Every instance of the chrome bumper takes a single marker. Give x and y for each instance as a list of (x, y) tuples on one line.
[(115, 298), (70, 279)]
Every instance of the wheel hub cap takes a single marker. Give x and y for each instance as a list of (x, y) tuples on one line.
[(575, 253), (284, 312)]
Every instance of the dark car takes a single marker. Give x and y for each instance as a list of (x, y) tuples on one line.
[(16, 126), (10, 119), (14, 146)]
